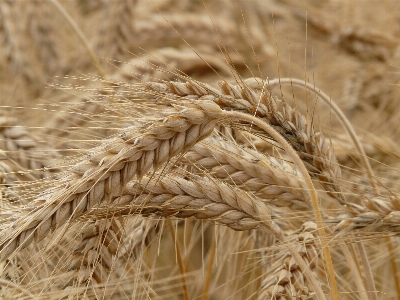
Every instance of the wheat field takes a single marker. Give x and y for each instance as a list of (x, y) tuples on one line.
[(187, 149)]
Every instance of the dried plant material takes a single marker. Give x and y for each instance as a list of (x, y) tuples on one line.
[(109, 167), (273, 180), (376, 147), (25, 151), (313, 148), (95, 255), (8, 181), (375, 215), (317, 22), (201, 198), (43, 32), (365, 43), (187, 116), (30, 43)]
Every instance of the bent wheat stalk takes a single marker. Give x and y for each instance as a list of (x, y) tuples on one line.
[(363, 157), (311, 189), (345, 122)]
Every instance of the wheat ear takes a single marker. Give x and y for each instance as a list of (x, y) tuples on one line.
[(284, 279), (22, 148), (273, 180), (8, 180), (106, 246), (313, 148), (338, 112), (205, 199), (376, 215), (103, 174), (94, 258)]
